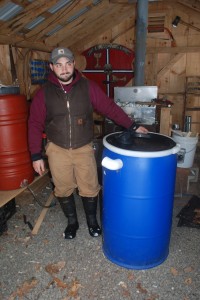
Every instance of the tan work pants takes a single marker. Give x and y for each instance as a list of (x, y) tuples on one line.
[(72, 168)]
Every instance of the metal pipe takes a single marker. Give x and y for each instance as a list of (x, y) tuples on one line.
[(140, 46)]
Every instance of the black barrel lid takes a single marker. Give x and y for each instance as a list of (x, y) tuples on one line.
[(149, 142)]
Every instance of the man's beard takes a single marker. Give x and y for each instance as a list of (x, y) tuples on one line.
[(66, 79)]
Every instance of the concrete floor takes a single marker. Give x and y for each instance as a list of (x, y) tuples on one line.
[(46, 266)]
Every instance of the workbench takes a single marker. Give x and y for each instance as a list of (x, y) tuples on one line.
[(6, 196)]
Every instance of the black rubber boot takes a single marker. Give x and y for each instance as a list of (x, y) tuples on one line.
[(69, 208), (90, 208)]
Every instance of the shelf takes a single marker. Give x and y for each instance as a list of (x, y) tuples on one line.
[(6, 196), (192, 109), (192, 101), (193, 85)]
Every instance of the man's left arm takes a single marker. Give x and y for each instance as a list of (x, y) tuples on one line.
[(108, 108)]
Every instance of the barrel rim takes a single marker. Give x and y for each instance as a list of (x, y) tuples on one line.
[(131, 153)]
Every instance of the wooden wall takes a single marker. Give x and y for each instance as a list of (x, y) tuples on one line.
[(169, 56)]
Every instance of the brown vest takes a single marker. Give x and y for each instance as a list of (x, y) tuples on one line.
[(69, 119)]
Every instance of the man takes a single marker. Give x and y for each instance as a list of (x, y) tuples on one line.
[(63, 108)]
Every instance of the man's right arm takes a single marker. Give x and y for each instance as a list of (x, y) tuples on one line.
[(39, 166), (36, 125)]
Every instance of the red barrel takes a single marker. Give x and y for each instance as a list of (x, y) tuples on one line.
[(15, 161)]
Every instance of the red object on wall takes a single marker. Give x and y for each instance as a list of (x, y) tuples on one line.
[(15, 161), (109, 65)]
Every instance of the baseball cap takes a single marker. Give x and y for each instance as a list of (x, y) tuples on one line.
[(61, 52)]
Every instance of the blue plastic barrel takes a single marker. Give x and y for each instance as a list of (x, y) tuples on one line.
[(138, 194)]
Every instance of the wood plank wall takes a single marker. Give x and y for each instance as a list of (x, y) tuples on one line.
[(167, 68)]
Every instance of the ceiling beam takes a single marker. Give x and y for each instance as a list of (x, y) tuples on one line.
[(192, 4), (179, 7), (169, 65), (29, 13), (58, 18), (103, 24), (71, 30), (184, 49), (18, 42)]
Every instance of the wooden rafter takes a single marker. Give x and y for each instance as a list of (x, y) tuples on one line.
[(193, 4), (57, 18), (71, 30), (30, 12), (172, 61), (105, 22), (84, 29), (183, 49)]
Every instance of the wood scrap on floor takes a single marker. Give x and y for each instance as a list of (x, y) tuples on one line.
[(42, 215)]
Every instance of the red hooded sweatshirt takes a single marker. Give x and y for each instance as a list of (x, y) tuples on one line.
[(99, 100)]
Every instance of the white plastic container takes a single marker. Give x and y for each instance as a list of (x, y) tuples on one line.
[(188, 146)]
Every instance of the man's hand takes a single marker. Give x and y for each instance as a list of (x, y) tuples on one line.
[(141, 129), (137, 128), (39, 167)]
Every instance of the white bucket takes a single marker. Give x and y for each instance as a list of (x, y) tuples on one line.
[(188, 146)]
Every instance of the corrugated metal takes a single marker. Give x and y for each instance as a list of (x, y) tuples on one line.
[(34, 23), (57, 28), (76, 16), (96, 2), (59, 5), (55, 8), (135, 1), (9, 10)]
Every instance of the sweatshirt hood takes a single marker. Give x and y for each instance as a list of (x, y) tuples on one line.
[(53, 79)]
